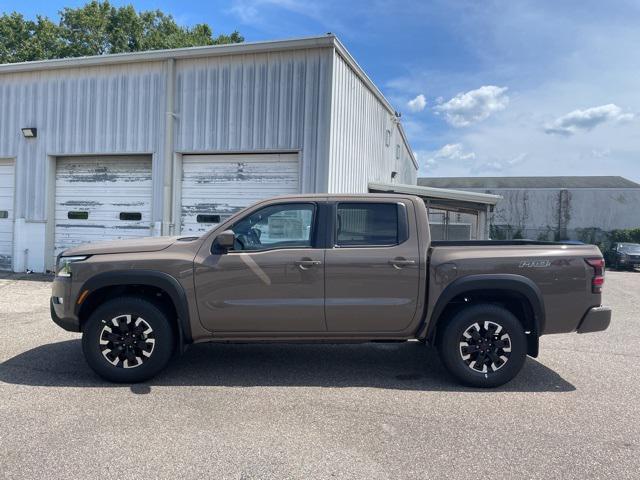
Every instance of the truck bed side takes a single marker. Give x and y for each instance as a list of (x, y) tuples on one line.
[(557, 274)]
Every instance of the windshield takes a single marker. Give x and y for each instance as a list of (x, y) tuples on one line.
[(629, 248)]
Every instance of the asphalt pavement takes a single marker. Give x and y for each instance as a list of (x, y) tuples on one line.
[(374, 411)]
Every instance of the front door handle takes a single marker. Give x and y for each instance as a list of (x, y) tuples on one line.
[(307, 263), (401, 262)]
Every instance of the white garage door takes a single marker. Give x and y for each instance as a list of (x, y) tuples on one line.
[(101, 198), (6, 213), (216, 186)]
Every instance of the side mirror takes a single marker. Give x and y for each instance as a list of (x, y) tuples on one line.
[(226, 239)]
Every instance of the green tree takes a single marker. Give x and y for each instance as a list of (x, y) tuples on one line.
[(98, 28)]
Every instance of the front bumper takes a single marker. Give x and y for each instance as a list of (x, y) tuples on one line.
[(596, 319), (68, 323), (61, 306)]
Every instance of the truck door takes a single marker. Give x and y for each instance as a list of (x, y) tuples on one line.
[(373, 270), (272, 280)]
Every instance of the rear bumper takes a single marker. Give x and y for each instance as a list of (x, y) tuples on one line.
[(595, 320)]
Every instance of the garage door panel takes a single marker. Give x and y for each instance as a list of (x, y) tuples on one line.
[(215, 187), (7, 182), (102, 198)]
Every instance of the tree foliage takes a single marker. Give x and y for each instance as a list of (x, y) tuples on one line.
[(99, 28)]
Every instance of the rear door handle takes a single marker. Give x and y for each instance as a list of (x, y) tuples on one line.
[(401, 262)]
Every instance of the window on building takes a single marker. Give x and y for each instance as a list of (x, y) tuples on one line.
[(77, 215), (202, 218), (131, 216)]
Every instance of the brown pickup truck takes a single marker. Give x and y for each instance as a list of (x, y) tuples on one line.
[(327, 268)]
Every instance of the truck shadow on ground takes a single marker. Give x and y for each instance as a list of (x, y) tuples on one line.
[(401, 366)]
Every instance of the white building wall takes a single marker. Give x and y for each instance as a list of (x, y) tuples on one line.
[(536, 212), (276, 101), (361, 150), (93, 110)]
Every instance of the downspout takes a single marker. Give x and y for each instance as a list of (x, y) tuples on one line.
[(167, 190)]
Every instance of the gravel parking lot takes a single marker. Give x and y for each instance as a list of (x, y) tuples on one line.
[(317, 411)]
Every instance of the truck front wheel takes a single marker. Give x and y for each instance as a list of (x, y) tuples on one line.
[(127, 339), (483, 346)]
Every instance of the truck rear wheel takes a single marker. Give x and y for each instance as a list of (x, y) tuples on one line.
[(483, 346), (127, 339)]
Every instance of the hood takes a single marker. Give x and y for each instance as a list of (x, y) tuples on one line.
[(148, 244)]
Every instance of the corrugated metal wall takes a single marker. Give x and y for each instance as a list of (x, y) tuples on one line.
[(96, 110), (359, 153), (547, 213), (275, 101)]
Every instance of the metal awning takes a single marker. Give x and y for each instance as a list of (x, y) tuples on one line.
[(446, 200), (442, 196)]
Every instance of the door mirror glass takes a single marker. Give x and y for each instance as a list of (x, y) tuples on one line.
[(226, 239)]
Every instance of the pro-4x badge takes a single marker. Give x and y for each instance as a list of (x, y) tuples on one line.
[(535, 263)]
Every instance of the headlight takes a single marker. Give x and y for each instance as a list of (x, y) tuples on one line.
[(64, 265)]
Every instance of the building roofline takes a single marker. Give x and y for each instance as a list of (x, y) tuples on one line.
[(324, 41)]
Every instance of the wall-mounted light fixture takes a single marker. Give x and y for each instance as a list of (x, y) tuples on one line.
[(394, 175), (29, 132)]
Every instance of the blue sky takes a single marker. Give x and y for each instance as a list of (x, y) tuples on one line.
[(485, 87)]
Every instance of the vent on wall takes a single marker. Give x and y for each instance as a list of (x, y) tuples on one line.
[(4, 214), (77, 215)]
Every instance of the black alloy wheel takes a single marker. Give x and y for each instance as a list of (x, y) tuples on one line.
[(127, 341), (485, 347)]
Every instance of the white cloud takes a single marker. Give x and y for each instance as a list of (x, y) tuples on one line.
[(473, 106), (417, 104), (498, 165), (457, 159), (585, 120), (252, 11), (450, 153)]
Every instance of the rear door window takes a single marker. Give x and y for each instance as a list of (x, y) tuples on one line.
[(367, 224)]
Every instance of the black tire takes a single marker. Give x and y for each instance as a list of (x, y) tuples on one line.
[(147, 346), (484, 365)]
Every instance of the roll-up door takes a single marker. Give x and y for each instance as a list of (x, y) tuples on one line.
[(216, 186), (102, 198)]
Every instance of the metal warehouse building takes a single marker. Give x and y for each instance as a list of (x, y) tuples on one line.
[(554, 208), (171, 142)]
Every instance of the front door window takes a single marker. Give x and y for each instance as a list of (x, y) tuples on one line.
[(277, 226)]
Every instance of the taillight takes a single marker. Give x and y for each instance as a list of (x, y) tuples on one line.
[(598, 273)]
